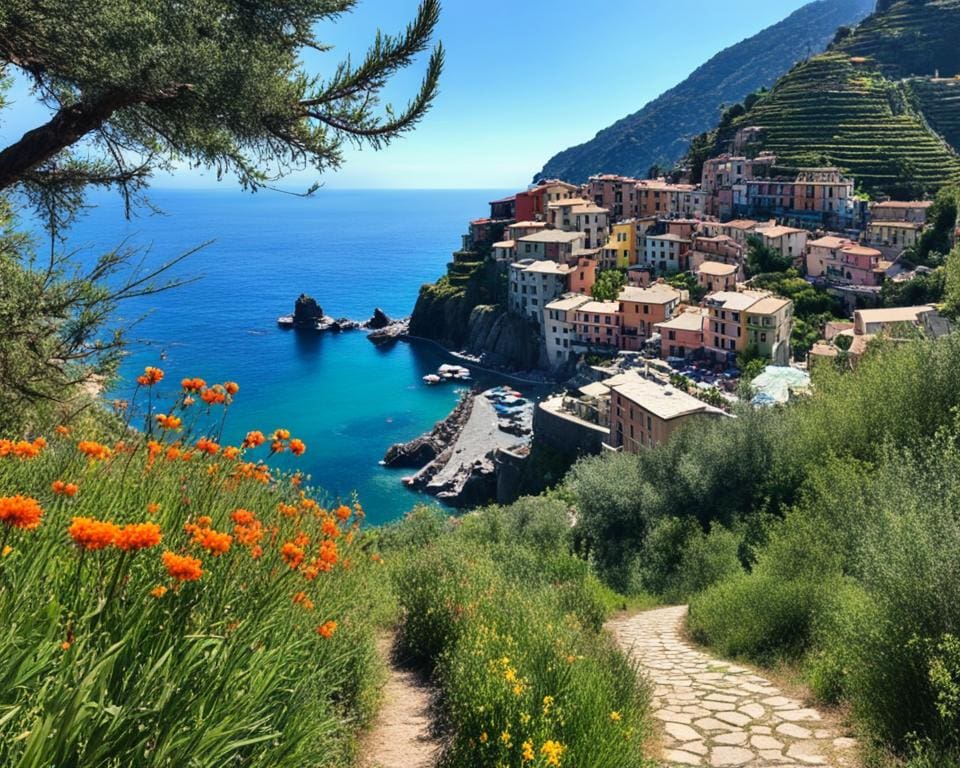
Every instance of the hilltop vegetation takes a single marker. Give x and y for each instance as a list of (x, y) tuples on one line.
[(661, 132), (910, 37), (849, 107)]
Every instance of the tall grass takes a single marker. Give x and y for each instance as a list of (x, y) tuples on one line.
[(230, 628), (510, 622)]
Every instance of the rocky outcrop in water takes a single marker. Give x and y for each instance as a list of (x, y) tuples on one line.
[(398, 329), (379, 321), (307, 313)]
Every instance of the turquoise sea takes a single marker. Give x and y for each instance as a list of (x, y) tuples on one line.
[(352, 251)]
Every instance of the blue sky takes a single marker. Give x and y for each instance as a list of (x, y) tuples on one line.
[(524, 79)]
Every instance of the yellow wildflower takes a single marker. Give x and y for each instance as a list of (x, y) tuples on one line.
[(615, 717), (527, 754), (505, 738), (518, 690), (552, 750), (547, 704), (484, 737)]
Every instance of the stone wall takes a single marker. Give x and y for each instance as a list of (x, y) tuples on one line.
[(567, 434)]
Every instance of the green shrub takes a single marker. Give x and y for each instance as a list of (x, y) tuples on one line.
[(514, 636)]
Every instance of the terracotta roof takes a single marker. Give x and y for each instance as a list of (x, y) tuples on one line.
[(691, 320), (830, 241), (717, 269), (664, 402), (655, 294), (860, 250), (903, 204), (768, 306)]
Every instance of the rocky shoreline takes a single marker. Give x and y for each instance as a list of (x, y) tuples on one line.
[(458, 457)]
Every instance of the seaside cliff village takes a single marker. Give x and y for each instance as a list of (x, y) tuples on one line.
[(690, 305)]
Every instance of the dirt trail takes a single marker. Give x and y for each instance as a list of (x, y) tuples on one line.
[(718, 714), (403, 735)]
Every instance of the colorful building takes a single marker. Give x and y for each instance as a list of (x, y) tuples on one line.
[(534, 284), (840, 261), (620, 250), (641, 309), (558, 328), (618, 194), (682, 335), (715, 277), (550, 245), (769, 325), (645, 414), (667, 254), (597, 325)]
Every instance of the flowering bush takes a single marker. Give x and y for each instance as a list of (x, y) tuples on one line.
[(153, 613), (527, 677)]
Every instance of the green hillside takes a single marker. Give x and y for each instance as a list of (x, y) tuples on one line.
[(939, 100), (660, 132), (837, 111), (910, 37)]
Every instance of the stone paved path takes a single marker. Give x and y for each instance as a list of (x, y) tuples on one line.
[(717, 714), (403, 734)]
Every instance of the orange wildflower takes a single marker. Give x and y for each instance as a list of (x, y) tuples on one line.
[(276, 446), (61, 488), (62, 430), (243, 517), (168, 422), (150, 376), (152, 508), (301, 598), (287, 510), (65, 645), (257, 552), (182, 567), (207, 446), (328, 552), (329, 528), (173, 453), (292, 554), (154, 449), (297, 447), (93, 449), (231, 388), (213, 395), (231, 452), (193, 385), (343, 512), (214, 542), (158, 591), (92, 534), (136, 536), (296, 480), (7, 549), (281, 434), (22, 449), (20, 512), (254, 439), (327, 629)]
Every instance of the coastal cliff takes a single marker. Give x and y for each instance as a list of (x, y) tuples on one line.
[(465, 311)]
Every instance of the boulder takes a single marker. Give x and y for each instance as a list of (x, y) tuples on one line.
[(379, 320), (307, 312)]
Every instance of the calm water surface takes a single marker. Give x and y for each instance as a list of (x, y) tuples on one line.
[(352, 251)]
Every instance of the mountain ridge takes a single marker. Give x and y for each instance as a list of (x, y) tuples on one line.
[(661, 131)]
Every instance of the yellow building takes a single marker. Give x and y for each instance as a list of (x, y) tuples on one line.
[(621, 249)]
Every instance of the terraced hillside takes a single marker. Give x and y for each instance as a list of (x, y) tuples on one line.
[(910, 37), (939, 100), (660, 132), (837, 111)]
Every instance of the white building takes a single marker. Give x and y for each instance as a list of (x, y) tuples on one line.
[(558, 327), (534, 284), (667, 254)]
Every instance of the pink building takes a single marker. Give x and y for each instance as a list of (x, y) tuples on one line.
[(843, 262), (597, 324), (618, 194), (682, 335), (584, 274)]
